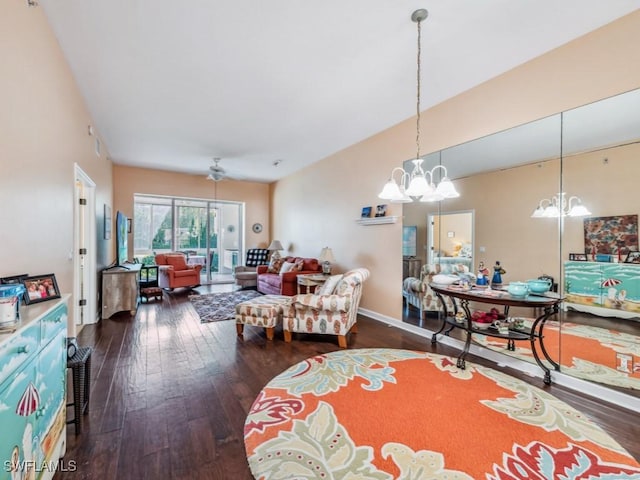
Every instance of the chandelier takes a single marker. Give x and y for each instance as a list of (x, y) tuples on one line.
[(559, 206), (418, 183)]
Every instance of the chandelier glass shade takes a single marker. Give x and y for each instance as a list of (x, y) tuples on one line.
[(559, 206)]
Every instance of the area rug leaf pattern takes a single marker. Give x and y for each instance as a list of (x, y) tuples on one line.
[(213, 307), (400, 414)]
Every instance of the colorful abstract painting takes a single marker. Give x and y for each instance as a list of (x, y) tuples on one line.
[(611, 235)]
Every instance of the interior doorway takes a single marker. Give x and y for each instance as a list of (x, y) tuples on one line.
[(84, 251), (451, 238)]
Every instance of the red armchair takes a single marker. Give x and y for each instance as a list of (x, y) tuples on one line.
[(286, 283), (174, 271)]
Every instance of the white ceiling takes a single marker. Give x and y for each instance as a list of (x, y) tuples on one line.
[(171, 84)]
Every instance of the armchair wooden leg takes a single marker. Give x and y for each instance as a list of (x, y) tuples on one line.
[(342, 341), (354, 328), (239, 328), (287, 336), (270, 331)]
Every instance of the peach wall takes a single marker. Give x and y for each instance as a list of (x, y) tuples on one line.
[(607, 188), (329, 195), (129, 181), (43, 132)]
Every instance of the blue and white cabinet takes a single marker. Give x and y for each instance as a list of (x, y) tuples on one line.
[(606, 289), (33, 368)]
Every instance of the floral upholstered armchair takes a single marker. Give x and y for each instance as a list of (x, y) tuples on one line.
[(332, 310), (416, 291)]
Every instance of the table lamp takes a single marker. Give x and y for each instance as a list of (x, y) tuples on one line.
[(326, 257), (275, 246)]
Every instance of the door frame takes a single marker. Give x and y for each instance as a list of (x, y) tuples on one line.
[(84, 236)]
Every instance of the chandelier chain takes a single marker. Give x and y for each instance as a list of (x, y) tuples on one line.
[(418, 75)]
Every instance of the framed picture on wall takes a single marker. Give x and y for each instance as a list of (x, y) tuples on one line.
[(107, 222), (366, 212), (381, 210), (578, 257), (611, 235)]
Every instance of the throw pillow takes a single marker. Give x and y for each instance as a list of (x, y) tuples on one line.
[(275, 265), (329, 286), (287, 267)]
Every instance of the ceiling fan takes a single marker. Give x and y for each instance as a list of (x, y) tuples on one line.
[(216, 172)]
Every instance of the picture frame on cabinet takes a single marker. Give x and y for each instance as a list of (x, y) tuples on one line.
[(40, 288), (578, 257), (633, 257), (13, 279)]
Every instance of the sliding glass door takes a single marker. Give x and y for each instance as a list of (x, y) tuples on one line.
[(209, 233)]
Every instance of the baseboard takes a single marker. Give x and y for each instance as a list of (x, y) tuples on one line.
[(590, 389)]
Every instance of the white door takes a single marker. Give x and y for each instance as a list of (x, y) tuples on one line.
[(84, 251)]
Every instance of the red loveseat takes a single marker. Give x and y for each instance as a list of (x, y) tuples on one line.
[(285, 284)]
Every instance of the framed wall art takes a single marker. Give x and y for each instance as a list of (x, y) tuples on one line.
[(616, 235), (107, 222)]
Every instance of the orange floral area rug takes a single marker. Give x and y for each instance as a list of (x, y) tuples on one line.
[(401, 414), (591, 353)]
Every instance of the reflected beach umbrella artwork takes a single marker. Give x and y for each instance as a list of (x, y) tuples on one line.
[(29, 402), (611, 282)]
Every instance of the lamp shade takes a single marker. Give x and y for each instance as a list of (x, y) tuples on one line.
[(579, 211), (326, 255), (275, 245)]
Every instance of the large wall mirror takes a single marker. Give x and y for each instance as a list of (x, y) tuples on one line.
[(591, 153)]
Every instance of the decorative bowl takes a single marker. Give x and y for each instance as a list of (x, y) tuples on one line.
[(480, 325), (518, 289), (442, 279), (539, 286)]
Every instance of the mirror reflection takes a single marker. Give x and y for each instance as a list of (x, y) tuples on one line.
[(503, 179)]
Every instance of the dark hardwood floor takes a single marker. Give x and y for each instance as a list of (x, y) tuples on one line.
[(169, 395)]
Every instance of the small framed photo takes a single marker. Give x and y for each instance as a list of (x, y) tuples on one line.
[(13, 279), (632, 257), (366, 212), (40, 288), (578, 257), (381, 210)]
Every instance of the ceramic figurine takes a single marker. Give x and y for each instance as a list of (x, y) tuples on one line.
[(483, 275), (498, 271)]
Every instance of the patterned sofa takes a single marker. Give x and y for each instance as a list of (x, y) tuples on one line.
[(276, 283), (416, 291), (332, 313)]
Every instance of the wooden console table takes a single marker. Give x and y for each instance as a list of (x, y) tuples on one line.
[(546, 304), (120, 289)]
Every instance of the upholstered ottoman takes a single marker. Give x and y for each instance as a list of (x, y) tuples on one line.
[(264, 311)]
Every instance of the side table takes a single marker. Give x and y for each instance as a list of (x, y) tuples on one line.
[(310, 281), (149, 288)]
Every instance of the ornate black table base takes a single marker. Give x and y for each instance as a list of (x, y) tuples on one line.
[(547, 304)]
